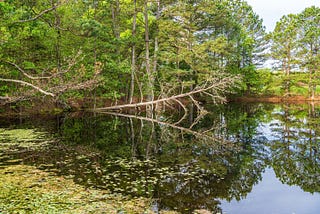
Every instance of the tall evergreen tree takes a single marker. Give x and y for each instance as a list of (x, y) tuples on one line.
[(309, 45), (284, 46)]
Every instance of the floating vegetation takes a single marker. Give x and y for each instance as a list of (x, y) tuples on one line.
[(21, 135), (17, 139), (53, 184), (26, 189)]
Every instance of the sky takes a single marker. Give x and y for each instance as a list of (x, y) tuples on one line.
[(272, 10)]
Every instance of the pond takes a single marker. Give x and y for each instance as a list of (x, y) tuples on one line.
[(237, 158)]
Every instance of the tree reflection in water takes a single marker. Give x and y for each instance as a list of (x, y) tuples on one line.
[(295, 150), (189, 165)]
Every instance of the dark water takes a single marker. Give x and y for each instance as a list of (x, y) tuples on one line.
[(238, 158)]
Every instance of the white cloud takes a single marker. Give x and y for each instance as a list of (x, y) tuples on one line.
[(272, 10)]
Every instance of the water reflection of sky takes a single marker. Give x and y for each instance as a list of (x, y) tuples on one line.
[(266, 129), (270, 196)]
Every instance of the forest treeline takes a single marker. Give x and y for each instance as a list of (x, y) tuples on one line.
[(142, 49)]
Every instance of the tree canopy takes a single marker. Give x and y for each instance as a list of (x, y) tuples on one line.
[(144, 49)]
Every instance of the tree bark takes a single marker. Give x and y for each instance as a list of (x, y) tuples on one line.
[(150, 81), (115, 19), (150, 93), (57, 23), (156, 40), (133, 52)]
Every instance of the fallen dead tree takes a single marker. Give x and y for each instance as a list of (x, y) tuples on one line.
[(215, 88)]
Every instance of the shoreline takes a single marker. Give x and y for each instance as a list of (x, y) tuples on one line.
[(47, 107), (298, 99)]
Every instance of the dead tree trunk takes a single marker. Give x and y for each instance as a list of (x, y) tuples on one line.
[(213, 90), (149, 87), (133, 52)]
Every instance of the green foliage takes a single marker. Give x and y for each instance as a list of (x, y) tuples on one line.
[(190, 43), (4, 89), (295, 44), (208, 38), (276, 83)]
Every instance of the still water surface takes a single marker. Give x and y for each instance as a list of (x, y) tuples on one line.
[(238, 158)]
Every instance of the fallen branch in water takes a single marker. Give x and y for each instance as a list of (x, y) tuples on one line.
[(217, 86)]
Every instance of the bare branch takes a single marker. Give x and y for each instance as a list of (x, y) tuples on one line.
[(195, 102), (7, 100), (91, 84), (71, 63), (25, 73), (218, 84), (4, 98), (185, 111), (28, 84), (214, 97), (40, 14)]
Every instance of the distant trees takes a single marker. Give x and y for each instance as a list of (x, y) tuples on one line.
[(309, 42), (295, 45), (284, 46), (204, 39)]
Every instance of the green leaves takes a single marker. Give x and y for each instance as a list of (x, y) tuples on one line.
[(296, 43)]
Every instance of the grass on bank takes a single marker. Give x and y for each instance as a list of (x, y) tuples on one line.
[(267, 83)]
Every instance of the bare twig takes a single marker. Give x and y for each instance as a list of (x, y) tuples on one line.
[(27, 75), (91, 84), (71, 63), (29, 84), (195, 102), (184, 109), (39, 15), (218, 85)]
